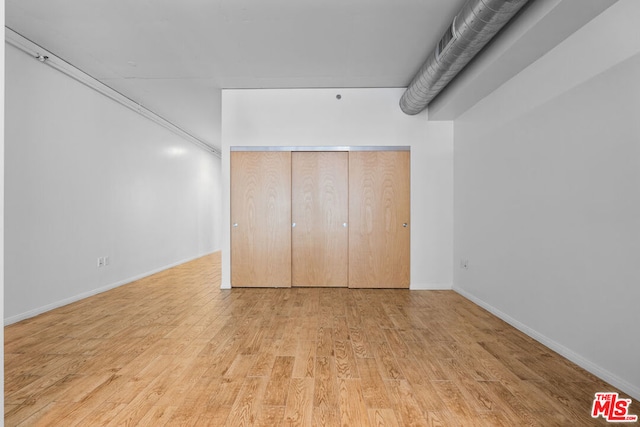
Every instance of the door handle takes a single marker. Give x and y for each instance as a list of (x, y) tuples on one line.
[(235, 224), (344, 224), (293, 224), (405, 225)]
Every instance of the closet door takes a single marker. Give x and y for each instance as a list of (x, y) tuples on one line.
[(261, 219), (320, 214), (379, 195)]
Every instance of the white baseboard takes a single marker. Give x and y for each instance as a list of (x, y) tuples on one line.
[(631, 389), (430, 287), (36, 311)]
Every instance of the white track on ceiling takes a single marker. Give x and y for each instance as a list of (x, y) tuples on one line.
[(41, 54)]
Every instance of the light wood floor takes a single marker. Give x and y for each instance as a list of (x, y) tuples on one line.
[(174, 349)]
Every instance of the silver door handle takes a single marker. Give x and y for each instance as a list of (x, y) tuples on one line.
[(235, 224), (293, 224), (405, 225), (344, 224)]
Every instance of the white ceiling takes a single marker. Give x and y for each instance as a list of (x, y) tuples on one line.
[(174, 57)]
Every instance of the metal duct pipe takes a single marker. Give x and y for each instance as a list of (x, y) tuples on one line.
[(472, 28)]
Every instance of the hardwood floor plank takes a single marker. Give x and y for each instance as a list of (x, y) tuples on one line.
[(325, 416), (174, 349), (430, 400), (33, 390), (299, 410), (340, 328), (502, 354), (103, 414), (270, 416), (324, 343), (137, 382), (383, 418), (51, 414), (387, 364), (397, 343), (453, 398), (225, 393), (157, 416), (437, 419), (264, 360), (405, 403), (325, 388), (373, 388), (480, 399), (345, 360), (280, 377), (246, 408), (512, 406), (305, 360), (361, 346), (353, 410), (240, 366), (287, 346), (129, 416)]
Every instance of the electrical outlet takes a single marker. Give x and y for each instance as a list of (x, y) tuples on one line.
[(464, 263), (106, 260), (100, 262)]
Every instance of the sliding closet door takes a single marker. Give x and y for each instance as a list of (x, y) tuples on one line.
[(379, 195), (320, 214), (261, 219)]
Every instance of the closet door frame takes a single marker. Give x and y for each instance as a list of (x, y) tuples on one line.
[(292, 149)]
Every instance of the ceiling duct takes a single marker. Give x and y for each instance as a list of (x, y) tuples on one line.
[(471, 29)]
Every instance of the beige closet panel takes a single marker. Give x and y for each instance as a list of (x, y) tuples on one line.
[(320, 211), (379, 206), (261, 219)]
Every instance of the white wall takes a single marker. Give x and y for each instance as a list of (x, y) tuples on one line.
[(2, 219), (87, 177), (363, 117), (547, 198)]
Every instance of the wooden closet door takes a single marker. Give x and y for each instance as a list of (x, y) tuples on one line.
[(261, 219), (320, 213), (379, 203)]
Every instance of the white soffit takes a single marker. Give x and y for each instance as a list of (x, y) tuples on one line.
[(540, 26)]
